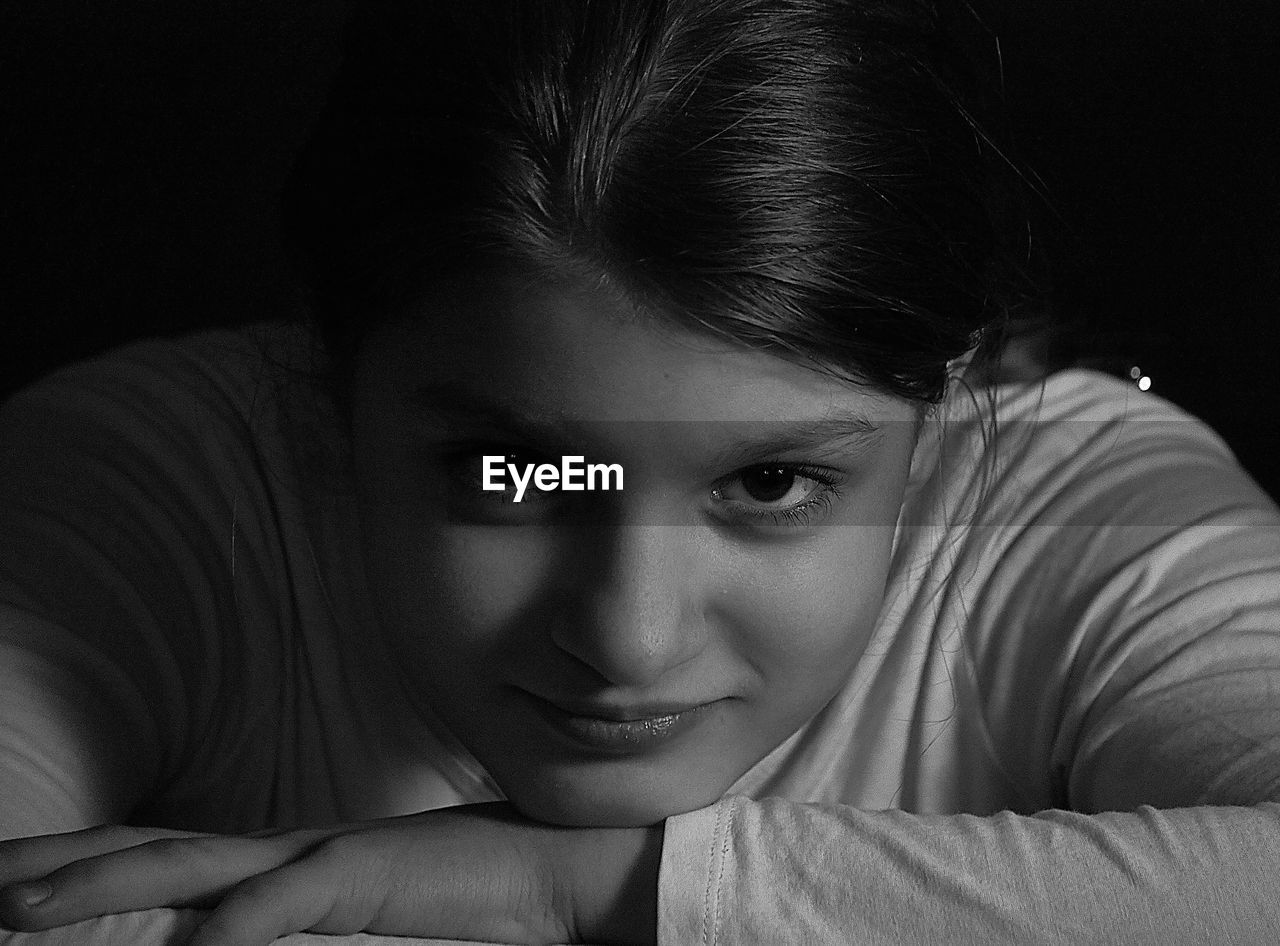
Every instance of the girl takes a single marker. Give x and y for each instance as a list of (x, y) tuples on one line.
[(847, 651)]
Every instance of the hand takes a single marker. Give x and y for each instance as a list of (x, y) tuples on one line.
[(479, 872)]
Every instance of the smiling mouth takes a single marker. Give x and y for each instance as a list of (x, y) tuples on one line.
[(618, 730)]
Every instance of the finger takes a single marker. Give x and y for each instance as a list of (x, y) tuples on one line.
[(321, 892), (194, 871), (26, 858)]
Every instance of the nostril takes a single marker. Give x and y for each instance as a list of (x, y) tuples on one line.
[(626, 610), (621, 654)]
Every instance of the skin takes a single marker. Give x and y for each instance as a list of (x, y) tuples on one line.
[(665, 592), (739, 572)]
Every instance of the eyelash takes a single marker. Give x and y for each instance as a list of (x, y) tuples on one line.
[(464, 461), (800, 515)]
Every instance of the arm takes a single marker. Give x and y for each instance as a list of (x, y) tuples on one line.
[(1177, 876), (1125, 653), (74, 745), (72, 754), (476, 872), (1187, 722), (147, 927)]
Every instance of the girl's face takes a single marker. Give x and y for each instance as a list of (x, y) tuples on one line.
[(617, 656)]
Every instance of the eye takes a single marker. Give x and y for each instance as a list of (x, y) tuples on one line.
[(778, 493), (469, 501), (770, 485)]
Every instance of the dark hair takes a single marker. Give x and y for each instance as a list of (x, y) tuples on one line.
[(798, 175)]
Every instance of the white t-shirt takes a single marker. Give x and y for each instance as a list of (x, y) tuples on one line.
[(1090, 622)]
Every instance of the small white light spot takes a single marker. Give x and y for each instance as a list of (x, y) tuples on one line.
[(1144, 384), (1135, 372)]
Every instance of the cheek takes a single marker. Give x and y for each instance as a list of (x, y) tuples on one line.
[(804, 624), (472, 585)]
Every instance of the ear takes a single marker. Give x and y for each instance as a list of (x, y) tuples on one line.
[(956, 368)]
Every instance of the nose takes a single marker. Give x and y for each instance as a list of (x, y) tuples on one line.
[(633, 615)]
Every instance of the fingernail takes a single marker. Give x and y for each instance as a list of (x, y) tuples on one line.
[(32, 894)]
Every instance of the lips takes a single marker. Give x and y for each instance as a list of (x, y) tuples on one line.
[(620, 729), (618, 713)]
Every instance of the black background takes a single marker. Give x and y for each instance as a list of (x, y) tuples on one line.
[(142, 145)]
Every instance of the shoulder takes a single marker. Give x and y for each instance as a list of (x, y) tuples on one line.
[(1085, 533), (1057, 514), (194, 406), (1111, 511), (1085, 448), (222, 367), (1075, 406), (127, 481), (140, 529)]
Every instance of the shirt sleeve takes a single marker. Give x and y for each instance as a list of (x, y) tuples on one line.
[(747, 871), (1131, 680), (75, 735), (119, 480), (1126, 641)]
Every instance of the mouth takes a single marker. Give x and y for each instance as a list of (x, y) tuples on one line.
[(620, 730)]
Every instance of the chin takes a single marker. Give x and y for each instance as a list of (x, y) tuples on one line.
[(575, 804)]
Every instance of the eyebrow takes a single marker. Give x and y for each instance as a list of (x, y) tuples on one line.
[(447, 399), (845, 431), (835, 432)]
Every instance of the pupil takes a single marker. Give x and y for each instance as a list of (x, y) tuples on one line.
[(768, 484)]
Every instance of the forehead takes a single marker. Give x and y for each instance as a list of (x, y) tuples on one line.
[(584, 353)]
